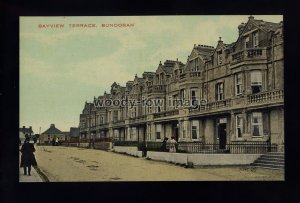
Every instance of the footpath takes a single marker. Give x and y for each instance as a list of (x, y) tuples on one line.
[(35, 177)]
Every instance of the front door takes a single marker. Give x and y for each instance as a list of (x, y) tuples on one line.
[(176, 134), (222, 135)]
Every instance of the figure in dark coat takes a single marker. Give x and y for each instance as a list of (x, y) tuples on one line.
[(163, 147), (27, 158)]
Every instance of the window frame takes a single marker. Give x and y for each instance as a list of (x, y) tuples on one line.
[(260, 129), (240, 126), (220, 96), (238, 84)]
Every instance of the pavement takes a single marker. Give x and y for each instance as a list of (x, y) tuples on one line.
[(35, 177)]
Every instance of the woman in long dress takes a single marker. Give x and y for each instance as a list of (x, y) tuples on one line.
[(173, 144)]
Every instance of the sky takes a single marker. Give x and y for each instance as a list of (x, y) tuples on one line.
[(61, 68)]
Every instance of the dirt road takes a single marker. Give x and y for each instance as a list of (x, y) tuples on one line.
[(69, 164)]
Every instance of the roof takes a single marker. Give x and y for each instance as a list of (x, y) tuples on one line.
[(268, 26), (25, 130), (74, 132), (205, 51), (52, 130)]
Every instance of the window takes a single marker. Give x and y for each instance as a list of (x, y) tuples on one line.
[(182, 94), (115, 115), (197, 64), (256, 81), (101, 120), (194, 96), (220, 91), (257, 128), (238, 84), (219, 56), (239, 125), (158, 131), (195, 127), (183, 130), (247, 42), (255, 39)]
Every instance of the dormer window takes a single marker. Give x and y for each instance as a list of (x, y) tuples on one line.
[(247, 42), (197, 64), (255, 39), (219, 57)]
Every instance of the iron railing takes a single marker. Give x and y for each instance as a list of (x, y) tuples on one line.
[(235, 147)]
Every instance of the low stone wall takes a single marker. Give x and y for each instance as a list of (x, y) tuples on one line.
[(204, 159), (128, 150), (103, 145), (222, 159), (83, 145)]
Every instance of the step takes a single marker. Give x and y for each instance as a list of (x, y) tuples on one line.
[(271, 158), (269, 161), (268, 165)]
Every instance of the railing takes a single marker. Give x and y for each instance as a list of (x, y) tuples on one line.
[(138, 119), (156, 88), (251, 53), (196, 74), (84, 140), (212, 106), (125, 143), (235, 147), (265, 96), (103, 139), (166, 113), (103, 125), (119, 122)]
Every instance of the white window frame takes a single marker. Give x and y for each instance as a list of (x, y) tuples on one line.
[(238, 84), (195, 123), (259, 124), (256, 79), (158, 128), (219, 57), (247, 41), (220, 94), (255, 39), (238, 125)]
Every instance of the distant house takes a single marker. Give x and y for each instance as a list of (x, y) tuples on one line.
[(73, 134), (52, 133), (23, 131)]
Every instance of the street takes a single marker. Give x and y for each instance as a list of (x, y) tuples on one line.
[(70, 164)]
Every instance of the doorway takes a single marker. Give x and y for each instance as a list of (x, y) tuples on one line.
[(222, 135)]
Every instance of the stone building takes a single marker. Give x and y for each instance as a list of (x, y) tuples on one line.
[(52, 133), (239, 89)]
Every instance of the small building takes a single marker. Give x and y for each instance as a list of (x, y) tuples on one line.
[(23, 131), (73, 135), (52, 133)]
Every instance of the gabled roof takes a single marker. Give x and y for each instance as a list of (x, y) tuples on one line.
[(52, 130)]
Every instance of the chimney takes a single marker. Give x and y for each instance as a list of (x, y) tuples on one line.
[(241, 28), (251, 17), (176, 59), (52, 126)]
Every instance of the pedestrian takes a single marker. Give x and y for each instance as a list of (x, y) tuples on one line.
[(173, 144), (163, 147), (56, 141), (27, 157), (53, 142)]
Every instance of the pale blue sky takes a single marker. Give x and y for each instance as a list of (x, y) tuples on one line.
[(61, 68)]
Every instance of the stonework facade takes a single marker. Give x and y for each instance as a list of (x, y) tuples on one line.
[(241, 84)]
